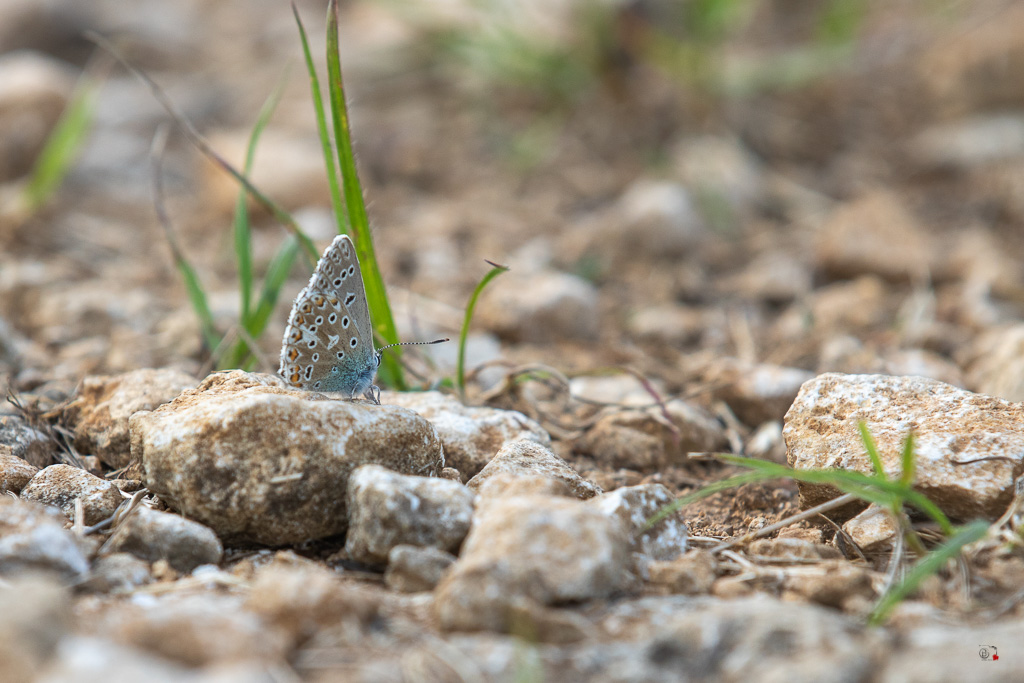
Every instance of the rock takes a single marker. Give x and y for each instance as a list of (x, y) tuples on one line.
[(256, 461), (19, 439), (526, 550), (633, 506), (413, 569), (33, 539), (874, 235), (195, 630), (953, 652), (541, 307), (152, 535), (674, 638), (873, 530), (968, 447), (117, 573), (719, 171), (691, 574), (849, 305), (833, 583), (14, 473), (793, 549), (103, 405), (775, 277), (509, 484), (34, 615), (470, 435), (994, 362), (668, 324), (386, 509), (300, 600), (766, 443), (61, 485), (528, 458), (96, 660), (971, 142), (654, 219), (756, 392), (623, 389), (34, 88), (644, 440)]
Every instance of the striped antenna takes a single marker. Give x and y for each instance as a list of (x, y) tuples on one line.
[(385, 348)]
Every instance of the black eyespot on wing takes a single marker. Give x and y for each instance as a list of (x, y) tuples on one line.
[(344, 322), (332, 318), (337, 282), (316, 357), (341, 355), (319, 320), (350, 299), (312, 343), (351, 270), (308, 374), (353, 342)]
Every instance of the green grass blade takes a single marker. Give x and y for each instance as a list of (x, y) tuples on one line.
[(242, 227), (460, 368), (197, 297), (63, 144), (376, 295), (340, 216), (928, 565), (273, 281), (872, 448), (907, 462)]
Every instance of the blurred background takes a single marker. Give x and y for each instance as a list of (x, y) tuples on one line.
[(691, 188)]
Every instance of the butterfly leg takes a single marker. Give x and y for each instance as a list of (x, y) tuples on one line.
[(373, 393)]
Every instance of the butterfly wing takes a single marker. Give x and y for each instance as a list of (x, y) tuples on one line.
[(328, 344)]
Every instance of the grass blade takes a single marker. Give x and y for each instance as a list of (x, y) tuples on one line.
[(340, 216), (872, 448), (63, 144), (460, 368), (927, 566), (376, 295), (907, 461)]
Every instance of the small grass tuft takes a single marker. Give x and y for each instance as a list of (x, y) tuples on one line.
[(460, 368)]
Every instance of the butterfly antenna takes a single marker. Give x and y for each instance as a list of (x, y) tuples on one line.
[(417, 343)]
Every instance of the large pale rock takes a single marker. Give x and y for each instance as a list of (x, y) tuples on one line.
[(256, 461), (33, 539), (61, 485), (386, 509), (412, 569), (103, 405), (153, 535), (650, 439), (471, 435), (968, 447), (34, 615), (633, 506), (531, 550), (530, 459)]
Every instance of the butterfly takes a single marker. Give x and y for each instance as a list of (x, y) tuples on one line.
[(328, 344)]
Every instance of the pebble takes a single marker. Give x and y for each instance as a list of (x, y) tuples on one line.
[(257, 462), (100, 411), (14, 473), (950, 426), (386, 510), (541, 307), (471, 435), (873, 530), (690, 574), (412, 569), (755, 392), (61, 485), (530, 459), (152, 535), (33, 539), (531, 550), (117, 573), (35, 613), (20, 440), (634, 506)]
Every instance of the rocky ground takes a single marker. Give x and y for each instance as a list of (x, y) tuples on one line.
[(747, 229)]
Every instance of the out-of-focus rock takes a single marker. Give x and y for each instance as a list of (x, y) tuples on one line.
[(61, 485)]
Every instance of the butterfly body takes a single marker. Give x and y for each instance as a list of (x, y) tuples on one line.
[(328, 344)]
